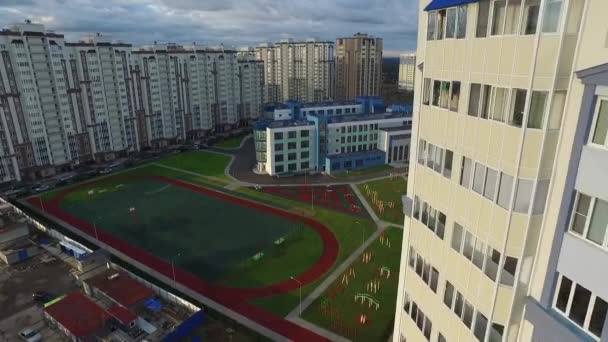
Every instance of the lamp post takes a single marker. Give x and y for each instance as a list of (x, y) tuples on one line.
[(95, 228), (41, 203), (300, 286), (173, 267)]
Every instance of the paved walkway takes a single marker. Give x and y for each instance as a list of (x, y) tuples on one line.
[(323, 332)]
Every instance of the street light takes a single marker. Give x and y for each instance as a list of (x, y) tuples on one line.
[(300, 286), (173, 266)]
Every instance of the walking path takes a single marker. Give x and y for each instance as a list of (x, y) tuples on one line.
[(323, 332)]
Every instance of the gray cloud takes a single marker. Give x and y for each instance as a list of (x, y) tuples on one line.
[(231, 22)]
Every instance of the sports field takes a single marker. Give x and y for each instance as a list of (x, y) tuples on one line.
[(387, 192)]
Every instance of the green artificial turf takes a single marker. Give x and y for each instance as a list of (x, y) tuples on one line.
[(368, 171), (388, 190), (201, 162), (343, 301), (231, 142)]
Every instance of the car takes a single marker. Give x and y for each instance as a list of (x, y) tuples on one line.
[(41, 188), (42, 297), (30, 335)]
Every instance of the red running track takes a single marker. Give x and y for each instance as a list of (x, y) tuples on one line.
[(233, 298)]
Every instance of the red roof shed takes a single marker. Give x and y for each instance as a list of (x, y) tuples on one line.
[(121, 288), (78, 314)]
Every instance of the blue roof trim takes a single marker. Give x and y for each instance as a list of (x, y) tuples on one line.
[(439, 4)]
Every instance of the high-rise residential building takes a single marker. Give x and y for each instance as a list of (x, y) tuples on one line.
[(358, 66), (407, 71), (251, 87), (505, 229), (186, 91), (298, 71)]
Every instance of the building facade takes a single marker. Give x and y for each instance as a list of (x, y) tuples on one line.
[(503, 195), (251, 87), (407, 71), (358, 66), (298, 71)]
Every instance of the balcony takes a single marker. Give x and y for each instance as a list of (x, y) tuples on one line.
[(551, 326)]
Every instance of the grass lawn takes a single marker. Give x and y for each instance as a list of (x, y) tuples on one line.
[(389, 190), (341, 298), (206, 163), (362, 172), (232, 142), (349, 233)]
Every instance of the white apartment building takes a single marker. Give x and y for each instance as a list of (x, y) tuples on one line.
[(407, 71), (251, 87), (503, 240), (299, 71)]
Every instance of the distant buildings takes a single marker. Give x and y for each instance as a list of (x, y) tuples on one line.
[(298, 71), (331, 137), (358, 66), (407, 71)]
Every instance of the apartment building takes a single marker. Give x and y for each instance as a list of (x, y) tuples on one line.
[(407, 71), (251, 88), (504, 236), (358, 66), (331, 138), (298, 71)]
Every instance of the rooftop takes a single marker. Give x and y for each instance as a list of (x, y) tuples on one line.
[(122, 314), (397, 128), (263, 124), (329, 103), (78, 314), (121, 288), (364, 117)]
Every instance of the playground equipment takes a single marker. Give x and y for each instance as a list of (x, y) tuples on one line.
[(386, 270), (373, 286), (367, 297), (367, 257)]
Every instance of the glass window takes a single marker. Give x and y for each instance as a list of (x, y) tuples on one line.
[(412, 258), (278, 147), (469, 244), (432, 218), (507, 276), (479, 254), (579, 218), (492, 261), (537, 109), (462, 22), (474, 96), (482, 18), (601, 124), (426, 91), (431, 25), (445, 95), (499, 97), (419, 265), (278, 158), (441, 14), (599, 222), (438, 159), (523, 195), (557, 109), (490, 186), (292, 134), (455, 98), (450, 29), (552, 14), (512, 17), (431, 156), (598, 316), (496, 332), (498, 17), (447, 163), (504, 191), (304, 165), (518, 104), (305, 134), (425, 213), (292, 167), (542, 189), (434, 279), (481, 324), (467, 169), (563, 294), (486, 102), (426, 270), (416, 207), (479, 178), (457, 237), (530, 21), (278, 169), (292, 146), (292, 156), (436, 92), (278, 136), (458, 304), (467, 315), (304, 155), (440, 229), (580, 304), (428, 327), (448, 297)]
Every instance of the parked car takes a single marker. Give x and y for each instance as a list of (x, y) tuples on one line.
[(30, 335), (41, 188), (42, 297)]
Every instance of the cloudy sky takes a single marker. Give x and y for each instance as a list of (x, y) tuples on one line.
[(232, 22)]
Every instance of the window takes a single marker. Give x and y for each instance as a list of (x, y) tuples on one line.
[(579, 219), (496, 332), (537, 109), (481, 324), (434, 279), (304, 144), (467, 315), (523, 195), (458, 304), (492, 261), (563, 294), (580, 304), (450, 29), (447, 163), (512, 17), (457, 237), (445, 94), (498, 17), (431, 156), (482, 19), (504, 191), (598, 316), (552, 14), (426, 95), (278, 169), (507, 275), (304, 165), (278, 136), (461, 29), (601, 123), (278, 158), (431, 24), (305, 134), (467, 168), (479, 254), (474, 97), (479, 178), (599, 222), (278, 147), (469, 243), (292, 167), (455, 97), (438, 159), (497, 106), (441, 19), (518, 103), (440, 229), (292, 146), (304, 155), (448, 296), (490, 186), (291, 134), (436, 92), (292, 156), (530, 21)]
